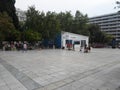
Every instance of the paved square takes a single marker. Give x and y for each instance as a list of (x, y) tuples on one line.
[(60, 70)]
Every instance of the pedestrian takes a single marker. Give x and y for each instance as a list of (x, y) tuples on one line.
[(73, 47), (4, 47), (85, 49), (89, 48), (12, 46), (25, 47), (80, 48)]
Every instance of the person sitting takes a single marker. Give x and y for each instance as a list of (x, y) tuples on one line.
[(89, 48)]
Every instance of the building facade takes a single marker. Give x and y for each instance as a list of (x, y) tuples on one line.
[(109, 23), (21, 15)]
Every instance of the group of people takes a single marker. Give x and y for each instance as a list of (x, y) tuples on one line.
[(86, 49), (24, 46), (14, 46)]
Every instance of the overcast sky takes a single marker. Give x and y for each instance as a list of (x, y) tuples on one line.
[(90, 7)]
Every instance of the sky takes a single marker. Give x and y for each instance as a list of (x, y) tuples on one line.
[(90, 7)]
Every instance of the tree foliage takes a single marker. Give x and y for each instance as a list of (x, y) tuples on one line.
[(32, 21), (50, 24), (8, 7), (47, 26), (40, 25), (30, 35), (96, 36), (7, 29), (81, 23)]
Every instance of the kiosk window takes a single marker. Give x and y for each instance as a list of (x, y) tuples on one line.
[(77, 42), (83, 42), (68, 41)]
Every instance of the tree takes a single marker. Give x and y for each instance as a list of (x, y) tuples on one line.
[(66, 21), (35, 22), (32, 20), (7, 29), (47, 25), (108, 38), (52, 26), (97, 36), (30, 35), (80, 23), (8, 7)]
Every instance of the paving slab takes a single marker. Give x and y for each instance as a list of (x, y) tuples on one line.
[(60, 70)]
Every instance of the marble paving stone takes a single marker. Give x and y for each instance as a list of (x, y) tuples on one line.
[(60, 70)]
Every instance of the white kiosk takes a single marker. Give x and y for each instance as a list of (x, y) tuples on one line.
[(73, 41)]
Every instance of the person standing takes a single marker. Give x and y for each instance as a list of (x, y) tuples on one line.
[(73, 46), (85, 49), (89, 48), (25, 47), (81, 48)]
